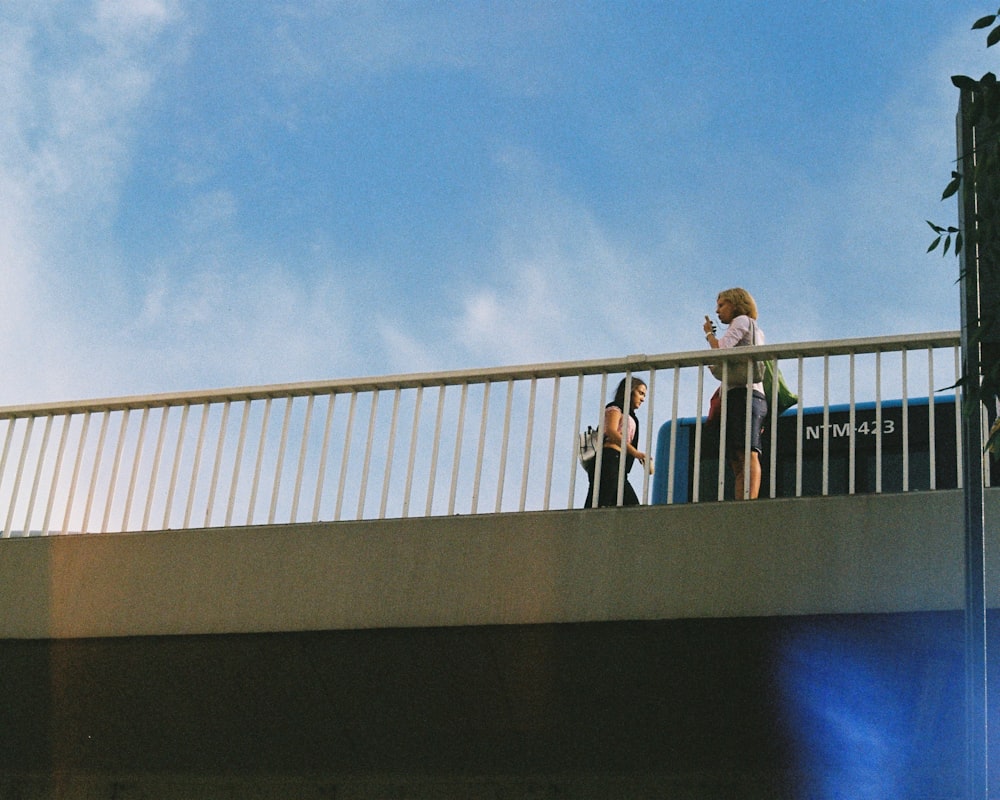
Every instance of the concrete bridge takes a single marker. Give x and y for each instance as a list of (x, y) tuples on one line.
[(788, 647)]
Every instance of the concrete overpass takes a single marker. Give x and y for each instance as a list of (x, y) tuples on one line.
[(770, 649)]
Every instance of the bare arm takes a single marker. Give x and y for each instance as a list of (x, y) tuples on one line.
[(612, 422)]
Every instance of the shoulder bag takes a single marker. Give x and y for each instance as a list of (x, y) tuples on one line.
[(588, 447)]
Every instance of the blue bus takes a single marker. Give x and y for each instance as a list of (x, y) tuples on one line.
[(837, 432)]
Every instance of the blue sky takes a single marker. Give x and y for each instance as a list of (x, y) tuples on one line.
[(202, 195)]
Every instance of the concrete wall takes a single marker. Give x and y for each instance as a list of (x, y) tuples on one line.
[(836, 555), (712, 651)]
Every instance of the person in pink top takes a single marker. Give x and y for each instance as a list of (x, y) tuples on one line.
[(614, 439)]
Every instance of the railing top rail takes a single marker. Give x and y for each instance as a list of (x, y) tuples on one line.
[(637, 362)]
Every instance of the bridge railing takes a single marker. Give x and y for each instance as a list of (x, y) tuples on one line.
[(460, 442)]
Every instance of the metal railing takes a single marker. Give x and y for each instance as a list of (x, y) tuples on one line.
[(462, 442)]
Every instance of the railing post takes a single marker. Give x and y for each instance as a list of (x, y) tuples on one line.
[(158, 482)]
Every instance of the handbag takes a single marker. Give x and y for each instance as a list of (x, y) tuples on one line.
[(588, 447), (714, 407), (786, 397), (737, 373)]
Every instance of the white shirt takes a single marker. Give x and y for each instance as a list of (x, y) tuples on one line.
[(738, 333)]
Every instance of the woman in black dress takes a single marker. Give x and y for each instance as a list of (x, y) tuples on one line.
[(614, 437)]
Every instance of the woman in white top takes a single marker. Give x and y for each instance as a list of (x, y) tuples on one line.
[(737, 309)]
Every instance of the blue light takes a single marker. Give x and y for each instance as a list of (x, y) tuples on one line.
[(868, 711)]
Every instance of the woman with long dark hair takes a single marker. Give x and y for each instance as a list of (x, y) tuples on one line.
[(616, 436)]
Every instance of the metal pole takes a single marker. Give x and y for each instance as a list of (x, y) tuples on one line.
[(977, 734)]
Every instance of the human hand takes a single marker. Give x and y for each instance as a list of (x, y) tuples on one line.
[(709, 326)]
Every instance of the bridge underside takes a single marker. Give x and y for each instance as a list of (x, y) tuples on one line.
[(766, 707)]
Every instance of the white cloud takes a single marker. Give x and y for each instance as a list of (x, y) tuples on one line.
[(560, 281), (116, 20), (234, 322), (72, 81), (353, 41)]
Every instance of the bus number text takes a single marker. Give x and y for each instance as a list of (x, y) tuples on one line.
[(843, 429)]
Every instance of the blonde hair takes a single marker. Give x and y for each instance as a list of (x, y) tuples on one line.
[(741, 300)]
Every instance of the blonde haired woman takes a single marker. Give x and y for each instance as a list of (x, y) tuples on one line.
[(737, 309)]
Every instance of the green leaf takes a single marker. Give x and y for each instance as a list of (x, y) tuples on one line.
[(935, 228), (958, 243), (947, 244), (965, 82), (961, 383), (934, 244), (983, 22), (994, 37), (952, 187), (992, 442)]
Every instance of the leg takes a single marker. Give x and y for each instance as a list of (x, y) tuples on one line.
[(739, 475), (754, 474), (758, 413), (608, 495)]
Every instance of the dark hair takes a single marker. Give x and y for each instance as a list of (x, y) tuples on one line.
[(620, 391)]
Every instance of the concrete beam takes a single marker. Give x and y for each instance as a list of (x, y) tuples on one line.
[(834, 555)]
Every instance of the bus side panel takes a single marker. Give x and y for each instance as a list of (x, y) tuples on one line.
[(872, 432), (877, 432), (681, 475)]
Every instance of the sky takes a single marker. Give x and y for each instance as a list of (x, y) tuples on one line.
[(200, 195)]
